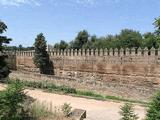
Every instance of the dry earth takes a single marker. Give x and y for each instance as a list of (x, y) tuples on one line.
[(96, 110)]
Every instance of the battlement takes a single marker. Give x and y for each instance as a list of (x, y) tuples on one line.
[(96, 52)]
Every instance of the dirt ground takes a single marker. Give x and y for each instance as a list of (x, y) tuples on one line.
[(96, 110)]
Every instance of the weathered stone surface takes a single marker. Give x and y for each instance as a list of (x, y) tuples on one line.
[(78, 114)]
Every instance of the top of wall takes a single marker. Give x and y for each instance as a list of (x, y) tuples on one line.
[(94, 52)]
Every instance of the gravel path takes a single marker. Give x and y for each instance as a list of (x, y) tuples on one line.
[(96, 110)]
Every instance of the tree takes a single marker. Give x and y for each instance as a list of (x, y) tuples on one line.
[(130, 38), (153, 112), (157, 31), (41, 57), (4, 69), (62, 45), (20, 47), (81, 39), (149, 40), (93, 38), (127, 112), (157, 25)]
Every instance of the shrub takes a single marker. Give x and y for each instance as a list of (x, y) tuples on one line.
[(127, 112), (153, 112), (66, 109), (11, 102)]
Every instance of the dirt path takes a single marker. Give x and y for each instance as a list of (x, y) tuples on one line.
[(96, 110)]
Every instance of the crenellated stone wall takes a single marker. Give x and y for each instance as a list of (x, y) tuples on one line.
[(128, 72)]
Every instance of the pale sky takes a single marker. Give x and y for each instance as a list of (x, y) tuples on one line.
[(63, 19)]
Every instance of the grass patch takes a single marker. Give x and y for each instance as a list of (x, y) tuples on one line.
[(89, 94), (44, 111), (124, 99), (51, 87), (48, 86)]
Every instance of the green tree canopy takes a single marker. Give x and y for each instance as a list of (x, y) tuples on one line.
[(127, 38), (62, 45), (130, 38), (149, 40), (81, 39), (4, 69), (157, 25)]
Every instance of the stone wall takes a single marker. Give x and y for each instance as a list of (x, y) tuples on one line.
[(124, 72), (11, 60)]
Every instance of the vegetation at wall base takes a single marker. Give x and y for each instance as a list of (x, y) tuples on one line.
[(51, 87)]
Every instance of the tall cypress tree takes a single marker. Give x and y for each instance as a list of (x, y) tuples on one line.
[(4, 69), (41, 57)]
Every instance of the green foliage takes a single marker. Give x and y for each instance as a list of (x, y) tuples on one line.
[(89, 93), (4, 69), (20, 48), (41, 57), (150, 41), (130, 38), (11, 102), (127, 38), (153, 112), (127, 112), (51, 87), (157, 31), (62, 45), (66, 109), (81, 39), (157, 25)]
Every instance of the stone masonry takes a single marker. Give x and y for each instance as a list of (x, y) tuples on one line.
[(125, 72)]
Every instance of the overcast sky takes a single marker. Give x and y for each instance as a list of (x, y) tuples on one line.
[(62, 19)]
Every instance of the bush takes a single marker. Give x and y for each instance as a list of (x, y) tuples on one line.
[(11, 102), (66, 109), (127, 112), (153, 112)]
